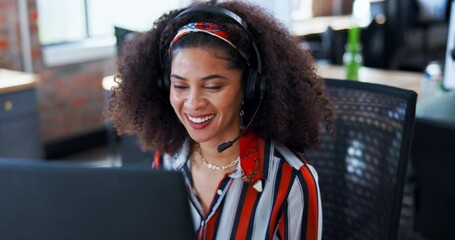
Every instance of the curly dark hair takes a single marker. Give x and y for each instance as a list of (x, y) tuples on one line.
[(295, 101)]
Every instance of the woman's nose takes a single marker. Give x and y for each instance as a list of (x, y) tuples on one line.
[(195, 100)]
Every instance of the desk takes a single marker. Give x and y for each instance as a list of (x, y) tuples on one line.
[(11, 81), (439, 108), (400, 79), (19, 124)]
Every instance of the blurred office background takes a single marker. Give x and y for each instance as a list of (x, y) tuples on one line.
[(70, 46), (66, 48)]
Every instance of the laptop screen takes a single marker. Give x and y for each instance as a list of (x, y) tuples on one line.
[(42, 200)]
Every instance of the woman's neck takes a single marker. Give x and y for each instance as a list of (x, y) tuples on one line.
[(209, 153)]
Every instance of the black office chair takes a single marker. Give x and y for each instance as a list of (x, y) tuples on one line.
[(362, 170)]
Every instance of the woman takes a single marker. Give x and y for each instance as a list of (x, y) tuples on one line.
[(224, 94)]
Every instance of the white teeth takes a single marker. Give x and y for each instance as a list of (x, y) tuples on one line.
[(201, 120)]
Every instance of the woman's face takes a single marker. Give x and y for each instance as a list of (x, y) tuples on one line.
[(205, 94)]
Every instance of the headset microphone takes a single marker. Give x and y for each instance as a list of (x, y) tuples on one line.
[(229, 144)]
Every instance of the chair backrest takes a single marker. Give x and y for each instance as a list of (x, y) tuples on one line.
[(122, 35), (362, 170)]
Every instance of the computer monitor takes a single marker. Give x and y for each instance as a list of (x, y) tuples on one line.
[(53, 201), (449, 67)]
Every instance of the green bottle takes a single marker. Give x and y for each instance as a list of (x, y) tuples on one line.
[(352, 57)]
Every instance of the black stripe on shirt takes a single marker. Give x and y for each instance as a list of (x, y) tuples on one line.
[(266, 162), (252, 216), (276, 190)]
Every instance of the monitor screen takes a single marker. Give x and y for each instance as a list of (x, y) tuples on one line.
[(52, 201)]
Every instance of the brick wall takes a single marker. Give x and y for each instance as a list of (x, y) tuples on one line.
[(70, 98), (330, 7), (10, 47)]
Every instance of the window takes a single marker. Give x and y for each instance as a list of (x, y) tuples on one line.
[(80, 30), (73, 31), (301, 9), (56, 25)]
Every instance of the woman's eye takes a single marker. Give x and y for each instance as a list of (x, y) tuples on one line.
[(176, 86), (213, 87)]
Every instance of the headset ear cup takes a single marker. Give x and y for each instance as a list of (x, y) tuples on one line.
[(261, 87), (251, 85), (255, 87), (163, 83), (160, 83), (166, 82)]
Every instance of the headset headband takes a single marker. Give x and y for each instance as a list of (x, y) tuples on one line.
[(230, 15)]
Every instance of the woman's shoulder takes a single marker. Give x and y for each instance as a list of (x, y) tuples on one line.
[(284, 154), (173, 161), (283, 157)]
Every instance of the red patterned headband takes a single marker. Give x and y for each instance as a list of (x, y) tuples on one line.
[(205, 27)]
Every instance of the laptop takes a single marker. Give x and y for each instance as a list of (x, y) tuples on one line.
[(54, 201)]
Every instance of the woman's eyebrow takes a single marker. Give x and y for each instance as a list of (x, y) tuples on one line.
[(206, 78), (177, 76), (213, 76)]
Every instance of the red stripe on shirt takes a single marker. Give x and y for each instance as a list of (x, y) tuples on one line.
[(156, 160), (247, 211), (312, 204), (210, 228), (284, 184), (261, 151)]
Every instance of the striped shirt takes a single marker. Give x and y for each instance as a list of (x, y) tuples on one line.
[(272, 194)]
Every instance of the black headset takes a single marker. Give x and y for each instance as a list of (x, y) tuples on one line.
[(254, 86)]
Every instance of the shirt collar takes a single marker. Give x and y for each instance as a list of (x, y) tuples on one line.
[(251, 165), (252, 159)]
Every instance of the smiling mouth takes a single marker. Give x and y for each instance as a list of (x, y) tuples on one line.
[(200, 120)]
